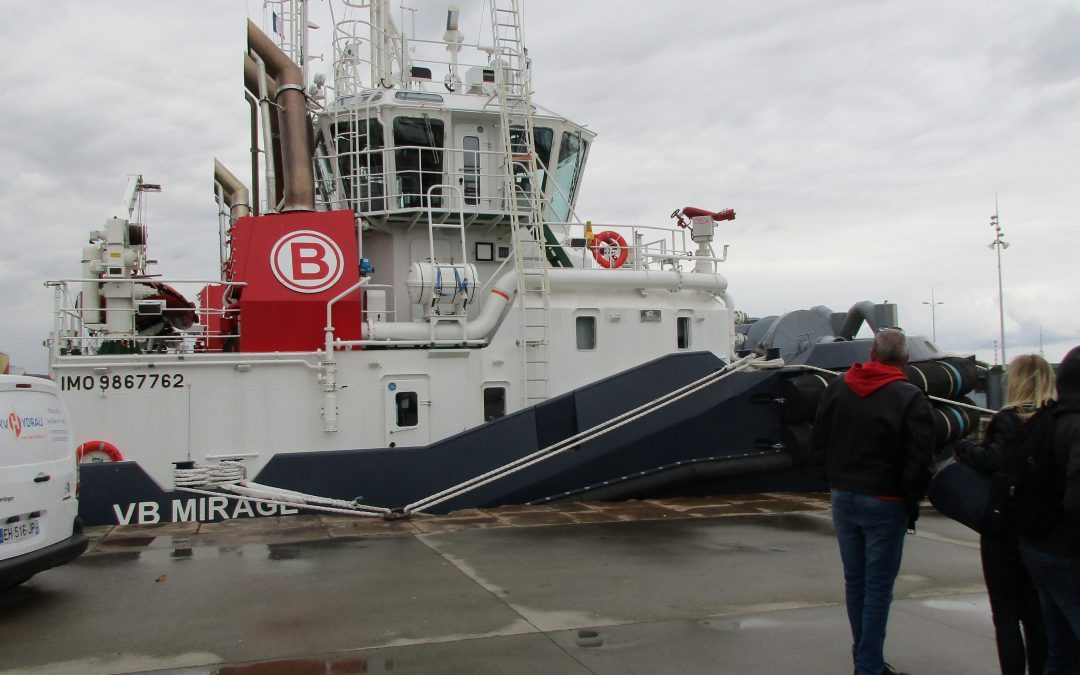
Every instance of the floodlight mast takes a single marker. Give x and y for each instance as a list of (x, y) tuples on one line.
[(933, 314), (999, 244)]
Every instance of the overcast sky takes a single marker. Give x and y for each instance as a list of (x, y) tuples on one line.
[(861, 143)]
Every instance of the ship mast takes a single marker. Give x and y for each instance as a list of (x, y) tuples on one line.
[(387, 45)]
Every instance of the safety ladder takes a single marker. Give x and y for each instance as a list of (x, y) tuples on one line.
[(521, 188)]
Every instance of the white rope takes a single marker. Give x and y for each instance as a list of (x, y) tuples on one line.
[(209, 474), (229, 476), (312, 507), (248, 488), (961, 404)]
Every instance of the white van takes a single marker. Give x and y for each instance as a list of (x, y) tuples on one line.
[(39, 481)]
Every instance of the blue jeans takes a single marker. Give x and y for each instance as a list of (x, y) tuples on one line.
[(871, 536), (1058, 582)]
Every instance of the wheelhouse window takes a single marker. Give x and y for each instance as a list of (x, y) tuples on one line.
[(567, 172), (408, 414), (519, 148), (359, 146), (494, 403), (419, 158), (586, 332), (682, 331), (418, 96), (542, 137)]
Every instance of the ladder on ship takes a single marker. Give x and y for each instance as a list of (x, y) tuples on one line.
[(521, 190)]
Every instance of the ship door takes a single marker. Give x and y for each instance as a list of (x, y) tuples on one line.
[(470, 163), (407, 405)]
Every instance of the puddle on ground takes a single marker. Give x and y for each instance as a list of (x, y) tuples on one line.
[(759, 622), (799, 522), (132, 542), (552, 620), (129, 663), (342, 666), (164, 549), (978, 606)]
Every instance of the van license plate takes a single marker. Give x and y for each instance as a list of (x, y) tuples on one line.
[(9, 534)]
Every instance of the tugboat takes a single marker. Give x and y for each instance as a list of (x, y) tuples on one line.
[(412, 316)]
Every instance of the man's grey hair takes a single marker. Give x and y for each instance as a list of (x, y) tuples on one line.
[(891, 346)]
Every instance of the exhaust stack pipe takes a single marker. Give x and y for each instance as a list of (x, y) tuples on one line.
[(235, 193), (299, 179), (275, 185)]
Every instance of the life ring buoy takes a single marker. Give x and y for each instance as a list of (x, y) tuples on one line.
[(609, 249), (104, 447)]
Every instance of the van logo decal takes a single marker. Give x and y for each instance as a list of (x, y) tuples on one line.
[(18, 425), (15, 424)]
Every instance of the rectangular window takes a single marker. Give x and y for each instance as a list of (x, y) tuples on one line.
[(567, 174), (359, 145), (682, 328), (586, 333), (494, 403), (419, 159), (542, 137), (407, 410)]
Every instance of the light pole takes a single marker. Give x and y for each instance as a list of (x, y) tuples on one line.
[(933, 314), (999, 244)]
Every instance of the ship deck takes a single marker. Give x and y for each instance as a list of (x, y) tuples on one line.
[(747, 584)]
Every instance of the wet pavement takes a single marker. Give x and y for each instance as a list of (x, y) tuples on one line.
[(742, 585)]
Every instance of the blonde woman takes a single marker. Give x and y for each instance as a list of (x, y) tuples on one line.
[(1014, 602)]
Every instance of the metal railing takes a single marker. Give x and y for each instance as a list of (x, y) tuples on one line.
[(79, 330), (363, 181), (355, 37)]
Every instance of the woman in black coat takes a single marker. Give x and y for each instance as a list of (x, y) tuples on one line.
[(1052, 554), (1014, 601)]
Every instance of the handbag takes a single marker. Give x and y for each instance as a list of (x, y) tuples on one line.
[(964, 494)]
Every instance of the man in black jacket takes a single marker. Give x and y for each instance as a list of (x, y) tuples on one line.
[(873, 443)]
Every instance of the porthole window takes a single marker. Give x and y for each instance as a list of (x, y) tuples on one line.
[(586, 333)]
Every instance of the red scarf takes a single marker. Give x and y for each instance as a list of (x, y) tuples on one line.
[(865, 378)]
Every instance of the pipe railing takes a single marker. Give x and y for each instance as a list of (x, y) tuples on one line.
[(72, 332)]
